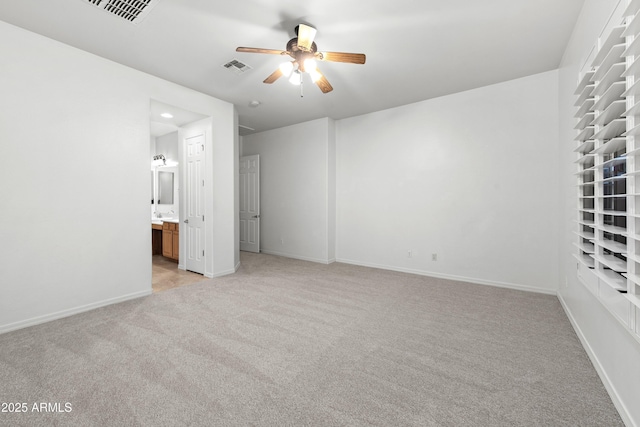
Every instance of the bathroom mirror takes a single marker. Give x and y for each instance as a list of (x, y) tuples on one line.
[(165, 188)]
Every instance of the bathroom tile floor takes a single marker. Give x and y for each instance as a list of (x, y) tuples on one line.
[(166, 275)]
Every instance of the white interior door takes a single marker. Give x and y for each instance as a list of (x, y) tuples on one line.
[(250, 203), (193, 224)]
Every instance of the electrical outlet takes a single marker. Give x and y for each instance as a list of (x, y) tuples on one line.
[(409, 254), (282, 241), (434, 257)]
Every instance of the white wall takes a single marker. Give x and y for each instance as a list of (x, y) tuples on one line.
[(470, 177), (74, 222), (297, 191), (168, 146), (225, 203), (331, 191), (614, 352), (236, 193)]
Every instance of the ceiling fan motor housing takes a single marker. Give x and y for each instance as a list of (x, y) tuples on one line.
[(299, 55), (292, 46)]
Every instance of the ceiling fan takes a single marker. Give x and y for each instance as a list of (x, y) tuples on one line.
[(305, 53)]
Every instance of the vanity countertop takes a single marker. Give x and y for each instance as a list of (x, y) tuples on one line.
[(159, 221)]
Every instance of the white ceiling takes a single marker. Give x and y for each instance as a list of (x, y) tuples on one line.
[(160, 125), (416, 49)]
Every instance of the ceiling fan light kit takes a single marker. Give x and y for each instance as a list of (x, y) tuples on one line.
[(296, 78), (305, 55), (287, 68)]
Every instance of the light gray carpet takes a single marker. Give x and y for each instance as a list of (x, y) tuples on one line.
[(292, 343)]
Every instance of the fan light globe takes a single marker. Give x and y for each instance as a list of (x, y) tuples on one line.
[(296, 78), (286, 68)]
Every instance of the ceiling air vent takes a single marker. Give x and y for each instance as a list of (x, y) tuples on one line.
[(236, 66), (130, 10)]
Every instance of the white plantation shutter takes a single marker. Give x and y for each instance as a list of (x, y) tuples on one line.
[(608, 170)]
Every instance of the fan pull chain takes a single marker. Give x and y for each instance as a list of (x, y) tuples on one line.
[(301, 84)]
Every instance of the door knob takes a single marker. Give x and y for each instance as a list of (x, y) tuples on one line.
[(256, 216), (186, 221)]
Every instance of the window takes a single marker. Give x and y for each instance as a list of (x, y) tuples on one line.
[(608, 170)]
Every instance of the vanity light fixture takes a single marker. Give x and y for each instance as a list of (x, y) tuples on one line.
[(159, 160)]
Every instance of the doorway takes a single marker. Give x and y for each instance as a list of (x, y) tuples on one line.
[(167, 199), (165, 274)]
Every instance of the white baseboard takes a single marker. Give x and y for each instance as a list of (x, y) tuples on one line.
[(70, 312), (294, 256), (613, 393), (453, 277), (222, 273)]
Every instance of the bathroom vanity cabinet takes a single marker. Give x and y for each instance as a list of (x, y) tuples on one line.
[(170, 240), (156, 238)]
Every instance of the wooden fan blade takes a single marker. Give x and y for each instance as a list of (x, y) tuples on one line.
[(306, 34), (273, 77), (259, 50), (322, 82), (351, 58)]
